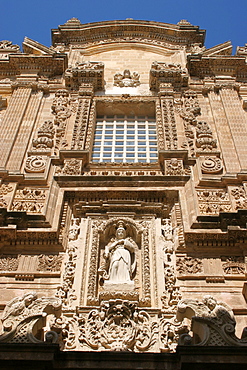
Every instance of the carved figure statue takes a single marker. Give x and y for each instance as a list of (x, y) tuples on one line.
[(74, 228), (120, 257), (18, 305)]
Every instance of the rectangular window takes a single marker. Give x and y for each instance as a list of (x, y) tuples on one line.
[(125, 139)]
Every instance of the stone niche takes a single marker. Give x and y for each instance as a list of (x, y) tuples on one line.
[(119, 253)]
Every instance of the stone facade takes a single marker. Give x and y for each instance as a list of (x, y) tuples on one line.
[(123, 193)]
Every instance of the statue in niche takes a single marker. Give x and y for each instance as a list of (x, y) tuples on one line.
[(120, 259), (74, 228)]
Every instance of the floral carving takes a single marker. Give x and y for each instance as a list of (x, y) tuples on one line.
[(29, 200), (45, 137), (126, 79), (189, 265), (240, 197), (36, 164), (170, 330), (50, 262), (118, 326), (169, 123), (159, 122), (211, 165), (233, 265), (81, 121), (213, 201), (174, 167), (9, 262), (72, 167)]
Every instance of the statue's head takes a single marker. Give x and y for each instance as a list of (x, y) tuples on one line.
[(120, 232)]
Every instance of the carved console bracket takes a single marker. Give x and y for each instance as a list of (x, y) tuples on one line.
[(167, 73), (85, 73)]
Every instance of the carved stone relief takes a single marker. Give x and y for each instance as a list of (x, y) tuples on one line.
[(204, 137), (29, 200), (36, 164), (213, 323), (127, 79), (174, 167), (72, 167), (170, 129), (5, 190), (159, 123), (161, 72), (118, 326), (51, 262), (240, 197), (81, 122), (62, 110), (189, 265), (85, 72), (172, 294), (170, 331), (44, 141), (6, 48), (211, 165), (233, 265), (66, 291), (124, 263), (9, 262), (199, 136), (24, 316), (212, 202)]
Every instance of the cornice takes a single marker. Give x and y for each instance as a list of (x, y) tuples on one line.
[(46, 65), (73, 31), (210, 66)]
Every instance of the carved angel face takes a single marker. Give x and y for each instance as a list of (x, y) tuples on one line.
[(210, 302)]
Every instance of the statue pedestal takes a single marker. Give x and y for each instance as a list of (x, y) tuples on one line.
[(119, 286)]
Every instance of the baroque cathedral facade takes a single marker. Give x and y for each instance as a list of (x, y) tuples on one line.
[(123, 199)]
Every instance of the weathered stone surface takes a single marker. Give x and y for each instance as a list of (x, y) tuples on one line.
[(123, 250)]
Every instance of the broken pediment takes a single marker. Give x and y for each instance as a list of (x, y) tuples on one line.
[(34, 47)]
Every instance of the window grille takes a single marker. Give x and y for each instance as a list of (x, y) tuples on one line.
[(125, 139)]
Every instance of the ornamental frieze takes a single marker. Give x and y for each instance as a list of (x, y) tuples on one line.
[(212, 202)]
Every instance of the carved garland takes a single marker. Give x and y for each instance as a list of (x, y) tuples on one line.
[(81, 123), (92, 277), (169, 123), (91, 123), (160, 130), (146, 300)]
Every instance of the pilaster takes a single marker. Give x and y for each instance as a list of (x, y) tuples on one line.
[(237, 121), (82, 117), (24, 132), (12, 121), (228, 149)]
